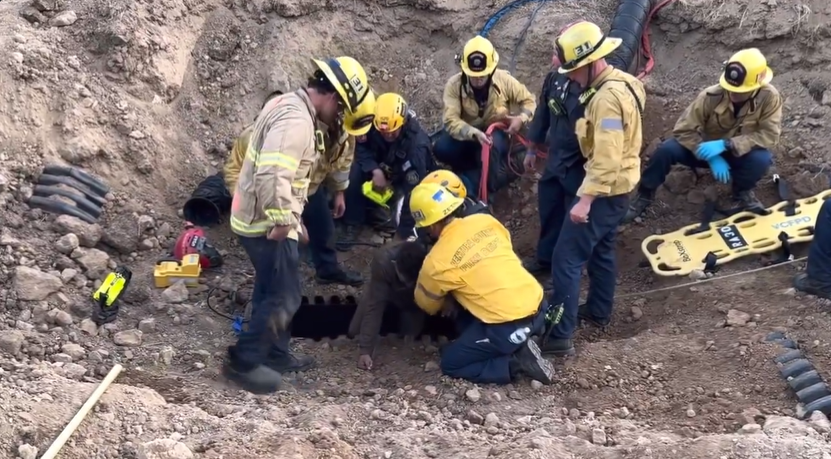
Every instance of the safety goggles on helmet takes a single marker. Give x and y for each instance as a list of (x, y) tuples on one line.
[(745, 71), (359, 122)]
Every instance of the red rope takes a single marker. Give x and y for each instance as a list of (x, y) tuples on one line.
[(646, 50)]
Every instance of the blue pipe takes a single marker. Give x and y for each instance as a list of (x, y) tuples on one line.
[(496, 17)]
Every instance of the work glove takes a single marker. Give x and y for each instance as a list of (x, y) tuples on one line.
[(720, 169), (710, 149)]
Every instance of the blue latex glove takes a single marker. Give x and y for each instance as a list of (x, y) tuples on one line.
[(720, 169), (710, 149)]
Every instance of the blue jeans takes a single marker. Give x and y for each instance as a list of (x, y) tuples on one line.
[(321, 226), (482, 352), (819, 254), (746, 171), (593, 243), (465, 157), (276, 286)]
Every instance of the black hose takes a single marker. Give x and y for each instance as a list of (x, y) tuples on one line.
[(93, 183), (80, 201), (59, 207), (628, 25), (521, 40)]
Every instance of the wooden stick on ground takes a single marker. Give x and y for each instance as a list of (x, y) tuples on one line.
[(70, 428)]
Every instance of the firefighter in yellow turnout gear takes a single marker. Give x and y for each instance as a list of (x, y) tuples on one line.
[(473, 263), (475, 98), (331, 174), (610, 137), (269, 199), (730, 128)]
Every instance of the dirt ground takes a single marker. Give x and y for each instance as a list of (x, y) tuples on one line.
[(149, 95)]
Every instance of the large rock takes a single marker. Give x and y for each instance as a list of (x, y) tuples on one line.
[(11, 341), (123, 234), (32, 284), (88, 234), (163, 448), (94, 262)]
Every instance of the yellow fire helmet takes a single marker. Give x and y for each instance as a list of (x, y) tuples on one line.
[(430, 203), (449, 180), (348, 77), (360, 121), (745, 71), (581, 44), (479, 57), (390, 112)]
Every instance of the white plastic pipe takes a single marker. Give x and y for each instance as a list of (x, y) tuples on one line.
[(70, 428)]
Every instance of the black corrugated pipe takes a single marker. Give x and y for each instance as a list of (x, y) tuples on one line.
[(628, 25)]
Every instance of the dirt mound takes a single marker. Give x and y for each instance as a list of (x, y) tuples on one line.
[(149, 95), (134, 422)]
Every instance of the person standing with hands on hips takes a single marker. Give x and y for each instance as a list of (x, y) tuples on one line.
[(610, 137), (270, 195)]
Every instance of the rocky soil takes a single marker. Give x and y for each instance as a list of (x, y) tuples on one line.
[(149, 94)]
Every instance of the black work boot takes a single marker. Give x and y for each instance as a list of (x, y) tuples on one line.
[(559, 347), (378, 216), (528, 361), (257, 380), (805, 284), (340, 277), (643, 199), (535, 267), (746, 200), (286, 363), (347, 238), (584, 315)]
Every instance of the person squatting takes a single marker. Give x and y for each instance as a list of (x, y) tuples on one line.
[(336, 147)]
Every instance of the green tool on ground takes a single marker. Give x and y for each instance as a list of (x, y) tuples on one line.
[(107, 295)]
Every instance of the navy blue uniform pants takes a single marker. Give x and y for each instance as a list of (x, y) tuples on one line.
[(465, 156), (356, 203), (276, 286), (554, 198), (593, 243), (745, 171), (317, 216), (482, 352), (819, 254)]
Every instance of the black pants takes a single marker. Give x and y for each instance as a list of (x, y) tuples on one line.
[(555, 196), (276, 286), (321, 226)]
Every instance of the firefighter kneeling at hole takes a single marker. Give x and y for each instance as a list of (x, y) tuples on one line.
[(729, 128), (390, 161), (473, 100), (473, 263), (610, 137), (267, 207)]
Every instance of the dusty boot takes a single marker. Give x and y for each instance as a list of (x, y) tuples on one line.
[(643, 199), (340, 277), (584, 315), (260, 380), (805, 284), (533, 266), (528, 361), (559, 347), (746, 200), (286, 363), (347, 238)]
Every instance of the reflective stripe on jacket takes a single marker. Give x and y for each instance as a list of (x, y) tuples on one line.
[(274, 178)]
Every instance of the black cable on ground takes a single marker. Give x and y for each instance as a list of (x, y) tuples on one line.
[(521, 40), (217, 311)]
